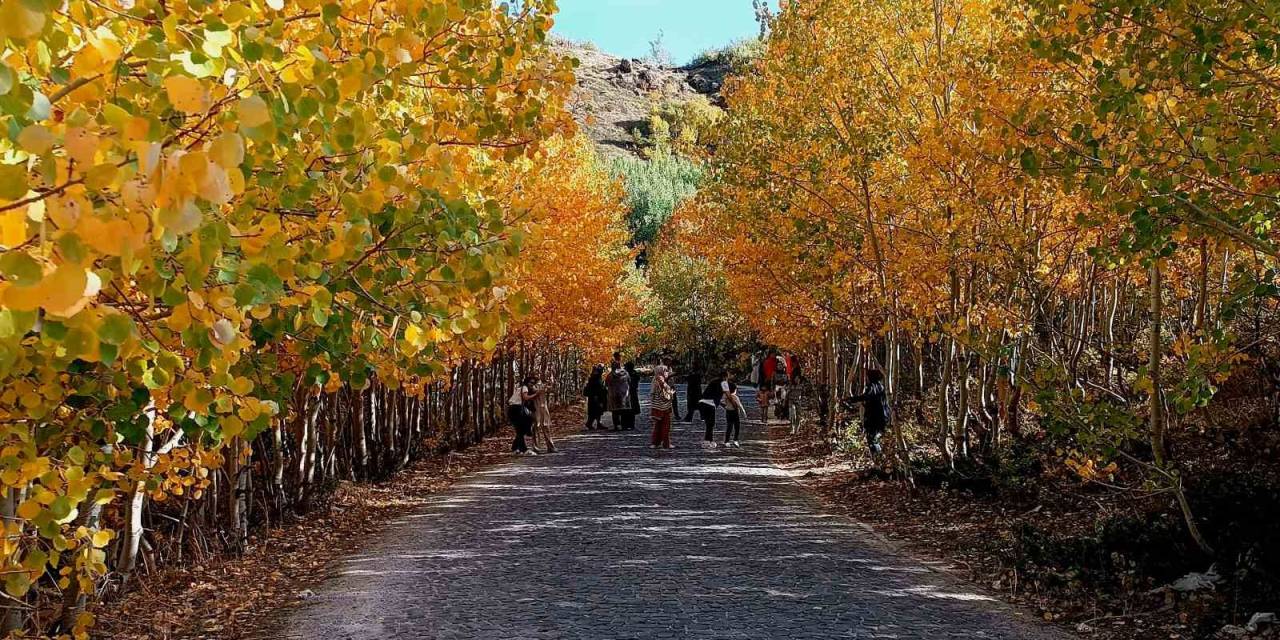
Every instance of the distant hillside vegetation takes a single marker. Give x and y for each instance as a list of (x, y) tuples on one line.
[(615, 96)]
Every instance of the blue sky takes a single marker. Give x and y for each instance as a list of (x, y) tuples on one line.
[(625, 27)]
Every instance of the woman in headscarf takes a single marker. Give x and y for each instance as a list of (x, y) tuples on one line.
[(619, 385)]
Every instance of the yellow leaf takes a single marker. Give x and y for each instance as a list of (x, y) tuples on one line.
[(232, 426), (215, 186), (23, 298), (227, 150), (101, 538), (197, 400), (241, 386), (101, 176), (29, 509), (113, 237), (65, 289), (182, 219), (413, 335), (187, 94), (19, 21), (136, 129), (13, 227), (35, 139), (253, 112), (82, 145)]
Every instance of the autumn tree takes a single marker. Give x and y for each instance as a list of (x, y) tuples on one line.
[(1045, 220), (237, 230)]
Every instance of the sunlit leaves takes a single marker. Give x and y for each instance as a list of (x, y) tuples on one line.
[(193, 194)]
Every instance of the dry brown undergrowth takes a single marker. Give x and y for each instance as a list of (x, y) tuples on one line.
[(232, 598)]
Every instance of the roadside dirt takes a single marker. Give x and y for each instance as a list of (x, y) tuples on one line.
[(231, 598), (1000, 539)]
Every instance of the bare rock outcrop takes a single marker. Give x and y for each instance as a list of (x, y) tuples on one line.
[(615, 95)]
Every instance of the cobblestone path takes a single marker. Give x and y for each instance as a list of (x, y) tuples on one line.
[(612, 540)]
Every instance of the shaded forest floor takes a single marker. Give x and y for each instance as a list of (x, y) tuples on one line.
[(1095, 560), (231, 598)]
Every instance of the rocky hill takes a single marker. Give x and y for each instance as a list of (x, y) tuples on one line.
[(615, 95)]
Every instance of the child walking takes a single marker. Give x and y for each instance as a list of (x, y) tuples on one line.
[(733, 411)]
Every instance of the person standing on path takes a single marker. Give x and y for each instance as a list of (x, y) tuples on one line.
[(875, 412), (633, 395), (597, 398), (764, 388), (712, 395), (619, 386), (542, 416), (661, 396), (693, 387), (669, 366), (733, 412), (520, 411)]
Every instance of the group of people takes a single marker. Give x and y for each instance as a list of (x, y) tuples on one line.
[(616, 390)]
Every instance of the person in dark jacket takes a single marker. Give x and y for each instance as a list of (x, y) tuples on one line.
[(597, 397), (875, 413), (520, 411), (633, 392), (619, 385), (711, 398), (692, 390)]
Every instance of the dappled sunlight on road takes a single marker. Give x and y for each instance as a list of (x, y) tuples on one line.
[(612, 540)]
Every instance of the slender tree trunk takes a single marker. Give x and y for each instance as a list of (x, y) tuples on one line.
[(1156, 424)]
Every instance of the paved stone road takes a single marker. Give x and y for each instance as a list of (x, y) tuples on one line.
[(611, 540)]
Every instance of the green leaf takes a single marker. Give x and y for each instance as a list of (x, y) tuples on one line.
[(266, 283), (13, 181), (1030, 163), (6, 79), (17, 584), (20, 268), (115, 329), (251, 51), (75, 455), (330, 12)]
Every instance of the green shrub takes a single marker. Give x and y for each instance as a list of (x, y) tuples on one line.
[(735, 54), (655, 187)]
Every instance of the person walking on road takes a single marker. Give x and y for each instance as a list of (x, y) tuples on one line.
[(619, 386), (597, 398), (711, 398), (667, 370), (520, 411), (875, 412), (733, 412), (661, 396), (542, 416), (633, 396), (693, 389)]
